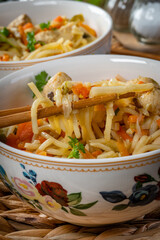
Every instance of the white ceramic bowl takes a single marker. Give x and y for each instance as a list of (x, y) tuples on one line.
[(84, 192), (43, 11)]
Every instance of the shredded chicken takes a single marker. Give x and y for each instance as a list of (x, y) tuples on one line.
[(64, 32), (20, 20), (55, 82), (150, 101)]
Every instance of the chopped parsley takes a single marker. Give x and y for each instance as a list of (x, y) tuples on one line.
[(44, 25), (41, 80), (76, 147), (5, 32), (31, 41)]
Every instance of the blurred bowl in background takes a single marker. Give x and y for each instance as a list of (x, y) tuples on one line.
[(43, 11)]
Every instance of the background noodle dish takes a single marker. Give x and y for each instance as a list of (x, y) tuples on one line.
[(24, 40)]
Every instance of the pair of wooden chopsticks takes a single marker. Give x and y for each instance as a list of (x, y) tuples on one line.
[(15, 116)]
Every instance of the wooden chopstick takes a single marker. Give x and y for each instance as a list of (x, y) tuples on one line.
[(15, 116), (14, 110)]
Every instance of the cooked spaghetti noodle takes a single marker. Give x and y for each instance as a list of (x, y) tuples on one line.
[(23, 40), (118, 128)]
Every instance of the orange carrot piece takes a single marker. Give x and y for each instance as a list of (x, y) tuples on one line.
[(23, 35), (43, 153), (24, 132), (99, 107), (57, 23), (12, 140), (122, 149), (87, 154), (132, 118), (81, 90), (37, 45), (145, 132), (27, 25), (21, 145), (158, 122), (5, 57), (62, 134), (140, 82), (41, 139), (96, 153), (122, 133), (89, 29), (58, 19)]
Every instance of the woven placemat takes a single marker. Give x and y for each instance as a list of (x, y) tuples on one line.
[(20, 222)]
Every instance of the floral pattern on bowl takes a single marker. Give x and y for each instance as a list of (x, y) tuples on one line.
[(142, 194), (50, 195)]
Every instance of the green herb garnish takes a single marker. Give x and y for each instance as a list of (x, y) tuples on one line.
[(44, 25), (76, 147), (41, 80), (5, 32), (31, 41)]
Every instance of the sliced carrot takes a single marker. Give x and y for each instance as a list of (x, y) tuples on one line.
[(96, 153), (132, 118), (43, 153), (40, 138), (23, 35), (81, 90), (87, 154), (12, 140), (40, 122), (27, 26), (140, 82), (145, 131), (21, 145), (62, 134), (5, 57), (24, 132), (57, 23), (99, 107), (122, 133), (89, 29), (58, 19), (158, 122), (37, 45), (122, 149), (115, 107)]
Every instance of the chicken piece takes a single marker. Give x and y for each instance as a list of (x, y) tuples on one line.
[(47, 36), (20, 20), (13, 26), (66, 31), (54, 83), (145, 80), (150, 101), (15, 32)]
